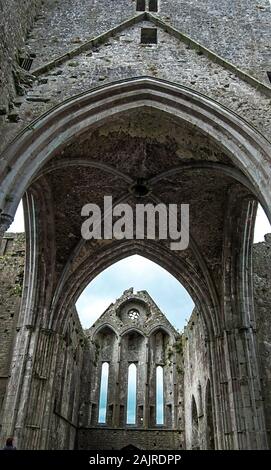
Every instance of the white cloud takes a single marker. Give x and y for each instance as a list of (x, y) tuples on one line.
[(18, 224), (262, 226)]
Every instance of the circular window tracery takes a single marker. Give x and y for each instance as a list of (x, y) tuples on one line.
[(133, 314)]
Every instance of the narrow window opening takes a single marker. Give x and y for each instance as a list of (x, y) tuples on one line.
[(140, 415), (152, 415), (131, 397), (159, 395), (110, 414), (122, 415), (148, 36), (269, 76), (169, 415), (140, 5), (93, 419), (103, 393), (26, 63), (153, 5)]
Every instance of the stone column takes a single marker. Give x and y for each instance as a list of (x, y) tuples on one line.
[(5, 222), (240, 385), (116, 411)]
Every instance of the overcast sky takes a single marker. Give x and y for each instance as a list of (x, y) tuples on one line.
[(142, 274)]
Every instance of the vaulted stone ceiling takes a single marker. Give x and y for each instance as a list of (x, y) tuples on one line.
[(178, 163)]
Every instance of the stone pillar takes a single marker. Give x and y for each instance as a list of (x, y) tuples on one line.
[(116, 411), (146, 398), (219, 401), (54, 341), (243, 415), (20, 364), (5, 222), (26, 404)]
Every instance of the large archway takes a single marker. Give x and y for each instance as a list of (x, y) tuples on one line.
[(187, 148), (141, 274), (246, 147)]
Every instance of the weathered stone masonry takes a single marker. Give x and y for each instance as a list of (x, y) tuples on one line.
[(79, 356), (97, 112), (66, 350), (16, 22), (147, 340), (262, 292), (12, 258), (118, 54)]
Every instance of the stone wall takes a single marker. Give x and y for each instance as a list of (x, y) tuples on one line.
[(262, 291), (71, 22), (146, 439), (68, 349), (196, 359), (64, 421), (66, 64), (12, 251), (120, 55), (16, 19), (196, 384)]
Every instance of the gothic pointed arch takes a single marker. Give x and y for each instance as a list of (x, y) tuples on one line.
[(210, 428), (216, 269), (173, 99), (195, 442)]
